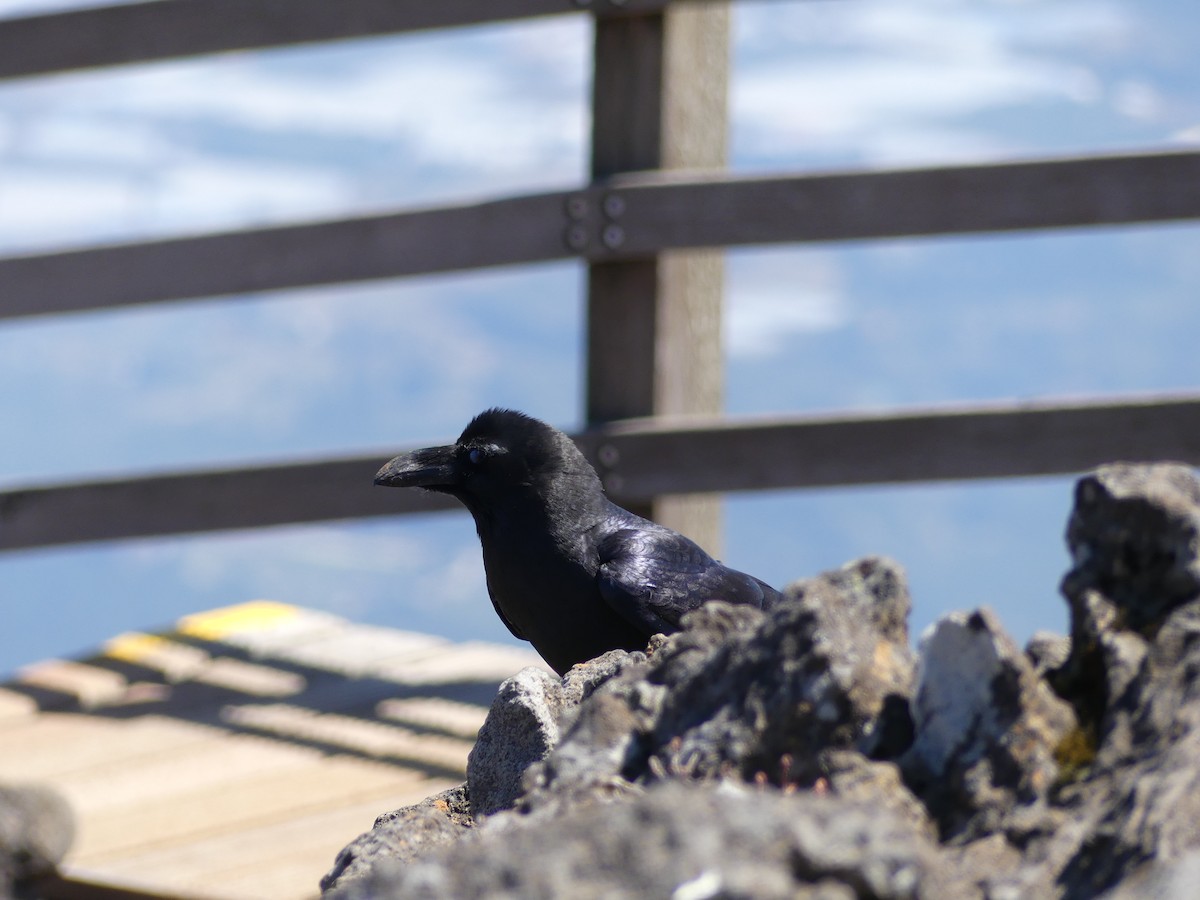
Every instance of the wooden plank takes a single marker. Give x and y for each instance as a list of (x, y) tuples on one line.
[(653, 323), (365, 737), (152, 31), (997, 197), (522, 229), (238, 802), (999, 440), (149, 31), (280, 860), (434, 714), (661, 211), (15, 707), (639, 460), (53, 746), (356, 651), (162, 504), (169, 807), (127, 776), (471, 661)]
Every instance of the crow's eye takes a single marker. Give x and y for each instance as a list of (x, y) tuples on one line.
[(475, 456)]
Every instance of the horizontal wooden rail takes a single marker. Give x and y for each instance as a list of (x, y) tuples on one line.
[(203, 501), (164, 29), (524, 229), (1001, 440), (643, 459), (627, 218), (996, 197)]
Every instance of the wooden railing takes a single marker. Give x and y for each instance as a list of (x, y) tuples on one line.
[(645, 226), (659, 212)]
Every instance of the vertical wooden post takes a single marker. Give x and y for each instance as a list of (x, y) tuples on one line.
[(654, 325)]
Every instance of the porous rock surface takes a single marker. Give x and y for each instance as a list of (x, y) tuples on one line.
[(808, 752)]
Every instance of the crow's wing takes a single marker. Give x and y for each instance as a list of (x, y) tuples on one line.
[(653, 576)]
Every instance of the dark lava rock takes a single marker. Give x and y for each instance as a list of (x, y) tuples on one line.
[(1134, 537)]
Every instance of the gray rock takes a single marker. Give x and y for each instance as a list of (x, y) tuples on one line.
[(1140, 795), (986, 725), (590, 761), (682, 843), (401, 836), (827, 669), (977, 771), (1175, 880), (522, 726), (531, 712), (1134, 677), (36, 830), (849, 775), (581, 681), (1134, 538), (1047, 651)]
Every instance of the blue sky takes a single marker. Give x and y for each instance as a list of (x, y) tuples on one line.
[(306, 133)]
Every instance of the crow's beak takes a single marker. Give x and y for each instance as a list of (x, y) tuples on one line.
[(434, 467)]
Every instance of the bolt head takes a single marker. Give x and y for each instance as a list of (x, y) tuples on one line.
[(613, 236), (576, 237), (577, 206)]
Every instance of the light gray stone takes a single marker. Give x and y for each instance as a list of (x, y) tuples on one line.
[(37, 828), (522, 726)]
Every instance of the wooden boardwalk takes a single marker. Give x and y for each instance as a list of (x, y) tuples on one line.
[(235, 755)]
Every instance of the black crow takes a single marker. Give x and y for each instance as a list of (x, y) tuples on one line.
[(567, 569)]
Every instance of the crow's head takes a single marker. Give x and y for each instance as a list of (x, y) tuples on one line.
[(502, 457)]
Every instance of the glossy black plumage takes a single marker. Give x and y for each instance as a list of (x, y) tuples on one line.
[(567, 570)]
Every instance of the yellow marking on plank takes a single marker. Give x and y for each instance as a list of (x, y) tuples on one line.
[(218, 624), (175, 660), (183, 662)]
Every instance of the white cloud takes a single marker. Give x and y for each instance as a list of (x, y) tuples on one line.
[(43, 206), (74, 137), (842, 80), (197, 193), (260, 366), (776, 296), (244, 139), (1138, 99), (478, 101), (854, 97), (1189, 135), (38, 205)]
